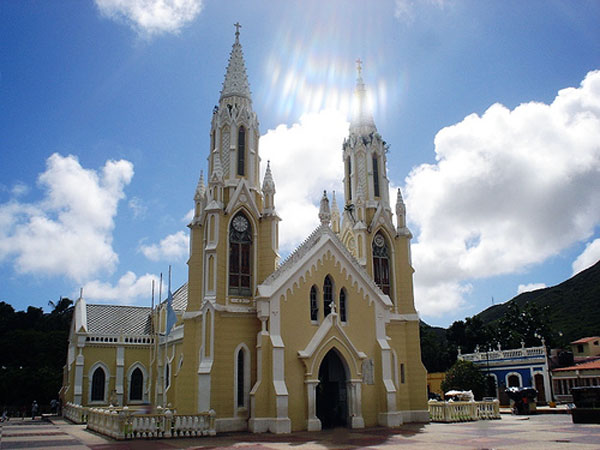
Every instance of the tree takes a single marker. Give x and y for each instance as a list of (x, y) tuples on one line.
[(465, 376), (524, 325)]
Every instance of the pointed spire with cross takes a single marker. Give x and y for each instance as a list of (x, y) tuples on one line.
[(237, 30)]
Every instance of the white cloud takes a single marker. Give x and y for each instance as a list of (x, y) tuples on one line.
[(509, 189), (530, 287), (405, 9), (19, 189), (70, 231), (137, 207), (173, 247), (152, 17), (589, 257), (128, 288), (306, 159)]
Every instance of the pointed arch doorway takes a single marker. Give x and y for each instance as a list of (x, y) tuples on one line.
[(332, 392)]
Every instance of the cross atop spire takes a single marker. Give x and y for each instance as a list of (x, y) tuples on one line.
[(362, 121), (237, 30), (359, 67)]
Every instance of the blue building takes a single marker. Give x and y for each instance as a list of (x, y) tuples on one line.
[(521, 367)]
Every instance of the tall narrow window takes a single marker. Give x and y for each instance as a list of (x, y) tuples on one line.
[(375, 176), (167, 375), (314, 305), (327, 296), (402, 375), (343, 306), (136, 385), (240, 378), (381, 263), (349, 178), (240, 244), (241, 170), (98, 381)]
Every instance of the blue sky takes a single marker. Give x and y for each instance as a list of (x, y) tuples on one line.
[(105, 115)]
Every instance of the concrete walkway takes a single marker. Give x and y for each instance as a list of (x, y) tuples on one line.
[(543, 431)]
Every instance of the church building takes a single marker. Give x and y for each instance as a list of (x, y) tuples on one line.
[(328, 337)]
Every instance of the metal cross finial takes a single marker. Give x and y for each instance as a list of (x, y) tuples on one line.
[(237, 28), (359, 66)]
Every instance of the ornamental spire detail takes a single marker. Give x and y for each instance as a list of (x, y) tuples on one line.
[(236, 80), (200, 189), (324, 211), (268, 183)]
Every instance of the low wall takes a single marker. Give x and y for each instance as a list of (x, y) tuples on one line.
[(125, 424), (75, 413), (463, 411)]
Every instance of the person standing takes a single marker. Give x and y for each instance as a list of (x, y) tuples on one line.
[(34, 409)]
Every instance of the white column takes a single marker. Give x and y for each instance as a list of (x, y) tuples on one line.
[(355, 403), (313, 422), (119, 374), (78, 388)]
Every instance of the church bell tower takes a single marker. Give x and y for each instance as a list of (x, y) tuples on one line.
[(367, 227)]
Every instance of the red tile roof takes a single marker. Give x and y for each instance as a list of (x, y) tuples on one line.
[(584, 340), (584, 366)]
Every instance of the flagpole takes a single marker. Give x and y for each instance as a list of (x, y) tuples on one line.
[(151, 346), (159, 379), (166, 357)]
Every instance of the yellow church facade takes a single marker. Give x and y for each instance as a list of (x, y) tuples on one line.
[(328, 337)]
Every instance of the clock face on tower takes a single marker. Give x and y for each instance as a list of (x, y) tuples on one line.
[(240, 223)]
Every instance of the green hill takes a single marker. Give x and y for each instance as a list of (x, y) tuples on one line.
[(573, 305)]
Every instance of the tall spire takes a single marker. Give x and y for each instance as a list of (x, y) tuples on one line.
[(362, 122), (236, 80)]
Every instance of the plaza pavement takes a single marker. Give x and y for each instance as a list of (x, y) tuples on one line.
[(542, 431)]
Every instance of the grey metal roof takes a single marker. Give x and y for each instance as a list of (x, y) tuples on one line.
[(118, 320), (180, 298)]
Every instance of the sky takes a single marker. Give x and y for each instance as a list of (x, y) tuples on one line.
[(491, 111)]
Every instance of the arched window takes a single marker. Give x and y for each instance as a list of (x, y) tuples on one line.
[(375, 176), (167, 375), (240, 245), (343, 306), (136, 389), (349, 178), (98, 381), (327, 296), (381, 263), (240, 378), (314, 305), (241, 170), (514, 380)]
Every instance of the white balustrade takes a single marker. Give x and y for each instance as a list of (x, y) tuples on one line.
[(75, 413), (125, 424), (463, 411)]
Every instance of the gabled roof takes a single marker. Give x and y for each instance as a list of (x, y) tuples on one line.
[(586, 340), (322, 233), (117, 320), (591, 365)]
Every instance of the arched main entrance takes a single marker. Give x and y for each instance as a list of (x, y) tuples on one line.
[(332, 395)]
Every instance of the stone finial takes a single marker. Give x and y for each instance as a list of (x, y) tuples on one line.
[(200, 188), (268, 186), (324, 211)]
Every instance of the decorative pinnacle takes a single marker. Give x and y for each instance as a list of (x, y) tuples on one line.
[(237, 30), (268, 183), (334, 206), (200, 189), (324, 211)]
